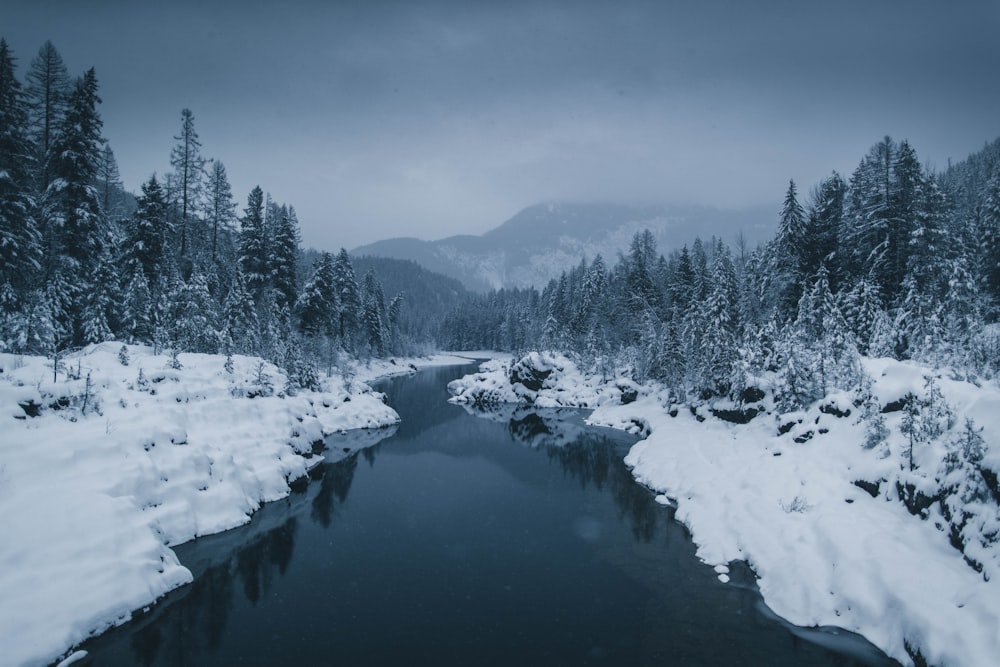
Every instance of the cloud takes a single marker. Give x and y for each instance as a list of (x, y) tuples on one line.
[(427, 119)]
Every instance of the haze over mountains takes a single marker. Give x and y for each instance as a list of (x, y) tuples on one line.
[(541, 241)]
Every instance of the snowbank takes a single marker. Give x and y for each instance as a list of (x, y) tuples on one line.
[(827, 552), (105, 467), (544, 380)]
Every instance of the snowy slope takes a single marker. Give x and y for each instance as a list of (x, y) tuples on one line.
[(91, 499), (826, 551)]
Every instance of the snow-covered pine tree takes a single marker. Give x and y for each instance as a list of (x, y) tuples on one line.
[(48, 89), (189, 175), (718, 344), (72, 198), (194, 317), (317, 304), (137, 307), (348, 300), (824, 220), (373, 300), (253, 246), (219, 206), (283, 254), (241, 324), (788, 252), (20, 236), (148, 233)]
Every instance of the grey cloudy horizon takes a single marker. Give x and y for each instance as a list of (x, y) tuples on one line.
[(427, 119)]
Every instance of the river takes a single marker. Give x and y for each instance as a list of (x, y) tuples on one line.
[(458, 538)]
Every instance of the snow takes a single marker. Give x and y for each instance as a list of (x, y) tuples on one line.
[(96, 488), (826, 552)]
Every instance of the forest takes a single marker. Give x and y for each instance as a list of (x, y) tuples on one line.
[(897, 260), (83, 261)]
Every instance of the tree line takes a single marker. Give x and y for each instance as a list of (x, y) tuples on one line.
[(894, 261), (83, 261)]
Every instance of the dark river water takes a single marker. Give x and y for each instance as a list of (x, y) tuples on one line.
[(516, 538)]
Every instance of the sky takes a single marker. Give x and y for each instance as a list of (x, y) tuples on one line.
[(426, 119)]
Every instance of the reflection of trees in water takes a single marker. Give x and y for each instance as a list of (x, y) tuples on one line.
[(256, 563), (193, 625), (335, 484), (589, 457), (422, 404)]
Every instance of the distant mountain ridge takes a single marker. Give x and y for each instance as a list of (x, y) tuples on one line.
[(541, 241)]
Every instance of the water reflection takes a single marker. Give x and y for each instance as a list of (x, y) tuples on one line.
[(512, 537), (589, 455), (191, 623)]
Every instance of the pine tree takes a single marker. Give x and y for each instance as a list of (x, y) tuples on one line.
[(48, 90), (823, 222), (241, 324), (148, 232), (253, 246), (642, 293), (348, 299), (72, 198), (866, 235), (393, 314), (373, 301), (787, 254), (189, 169), (110, 188), (989, 237), (317, 305), (20, 237), (220, 207), (137, 307), (718, 342), (282, 259), (194, 317)]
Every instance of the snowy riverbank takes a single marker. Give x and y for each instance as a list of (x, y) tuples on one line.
[(827, 552), (122, 456)]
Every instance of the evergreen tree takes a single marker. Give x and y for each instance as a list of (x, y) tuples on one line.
[(72, 197), (866, 236), (253, 246), (989, 237), (823, 222), (189, 172), (642, 293), (348, 299), (241, 324), (193, 317), (20, 238), (109, 185), (137, 307), (282, 259), (148, 232), (718, 344), (788, 256), (220, 208), (48, 91), (374, 314), (317, 305)]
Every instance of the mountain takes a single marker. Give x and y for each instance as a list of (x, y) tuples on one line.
[(541, 241)]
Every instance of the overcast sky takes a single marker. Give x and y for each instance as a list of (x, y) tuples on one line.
[(426, 119)]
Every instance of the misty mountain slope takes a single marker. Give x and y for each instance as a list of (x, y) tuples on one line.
[(541, 241)]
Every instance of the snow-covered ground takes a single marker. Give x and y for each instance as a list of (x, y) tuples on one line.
[(100, 476), (827, 552)]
